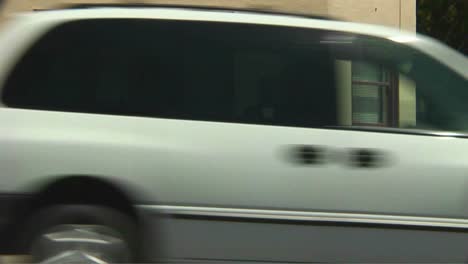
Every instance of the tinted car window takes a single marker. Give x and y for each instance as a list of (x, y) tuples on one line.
[(180, 69), (240, 73), (393, 85)]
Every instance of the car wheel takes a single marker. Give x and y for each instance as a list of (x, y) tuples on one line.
[(81, 233)]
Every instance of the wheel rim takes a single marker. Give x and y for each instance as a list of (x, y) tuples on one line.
[(80, 244)]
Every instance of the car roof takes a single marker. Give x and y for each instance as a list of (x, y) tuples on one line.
[(437, 50), (215, 14), (253, 10)]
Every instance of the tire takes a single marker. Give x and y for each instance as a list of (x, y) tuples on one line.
[(81, 233)]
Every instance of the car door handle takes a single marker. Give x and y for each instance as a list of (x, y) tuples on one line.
[(366, 158), (309, 155)]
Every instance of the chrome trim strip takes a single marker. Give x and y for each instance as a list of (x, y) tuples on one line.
[(392, 130), (307, 216)]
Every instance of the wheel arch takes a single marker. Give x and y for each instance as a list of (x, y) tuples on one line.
[(83, 189), (71, 189)]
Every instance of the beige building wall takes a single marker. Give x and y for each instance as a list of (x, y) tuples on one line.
[(384, 12), (408, 15), (294, 6), (394, 13)]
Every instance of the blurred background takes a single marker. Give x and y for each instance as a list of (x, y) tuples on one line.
[(445, 20)]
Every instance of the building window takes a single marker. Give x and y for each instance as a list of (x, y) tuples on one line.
[(374, 98)]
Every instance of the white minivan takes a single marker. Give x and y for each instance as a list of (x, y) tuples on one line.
[(201, 135)]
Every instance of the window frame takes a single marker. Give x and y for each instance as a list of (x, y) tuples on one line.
[(392, 100)]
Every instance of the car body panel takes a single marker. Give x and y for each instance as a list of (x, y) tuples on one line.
[(179, 160)]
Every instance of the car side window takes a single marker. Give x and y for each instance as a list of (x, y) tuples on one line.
[(382, 83), (191, 70), (241, 73)]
